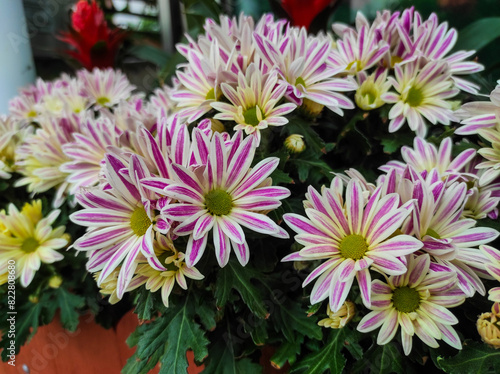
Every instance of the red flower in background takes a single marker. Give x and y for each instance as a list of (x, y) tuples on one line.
[(302, 12), (96, 45)]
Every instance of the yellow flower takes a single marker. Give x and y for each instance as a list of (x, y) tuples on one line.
[(29, 240), (108, 285), (368, 95), (488, 326), (339, 319), (177, 271)]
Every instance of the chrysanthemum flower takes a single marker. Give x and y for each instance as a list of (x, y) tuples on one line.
[(200, 83), (418, 301), (176, 272), (108, 286), (87, 153), (491, 166), (358, 50), (451, 241), (478, 115), (40, 157), (105, 88), (434, 41), (222, 196), (30, 240), (482, 201), (12, 135), (352, 235), (253, 104), (421, 93), (120, 222), (492, 264), (369, 94), (424, 157), (302, 62)]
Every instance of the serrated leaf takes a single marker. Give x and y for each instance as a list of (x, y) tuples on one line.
[(287, 352), (26, 326), (167, 339), (313, 309), (145, 304), (280, 177), (69, 304), (393, 143), (235, 276), (221, 358), (329, 356), (381, 359), (305, 166), (294, 318), (475, 357), (352, 337)]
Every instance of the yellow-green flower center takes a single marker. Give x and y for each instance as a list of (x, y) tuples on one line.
[(31, 114), (405, 299), (353, 246), (139, 221), (210, 94), (251, 117), (218, 202), (30, 245), (355, 63), (433, 233), (102, 100), (414, 97), (301, 81)]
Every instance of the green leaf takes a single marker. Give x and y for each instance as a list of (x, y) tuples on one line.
[(26, 326), (393, 143), (475, 357), (235, 276), (292, 318), (145, 304), (381, 359), (313, 309), (167, 339), (329, 356), (221, 359), (287, 352), (280, 177), (69, 304), (304, 167), (478, 34)]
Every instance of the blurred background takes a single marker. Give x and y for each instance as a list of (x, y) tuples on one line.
[(148, 55)]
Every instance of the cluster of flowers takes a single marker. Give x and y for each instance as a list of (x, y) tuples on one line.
[(413, 231), (243, 71), (153, 189)]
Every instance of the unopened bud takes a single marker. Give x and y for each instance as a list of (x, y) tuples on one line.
[(55, 281), (339, 319), (295, 143), (488, 326)]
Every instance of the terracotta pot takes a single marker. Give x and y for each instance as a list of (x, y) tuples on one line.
[(90, 349)]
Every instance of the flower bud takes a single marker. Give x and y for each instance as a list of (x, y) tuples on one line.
[(488, 326), (295, 143), (55, 281), (339, 319), (216, 125), (33, 299)]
